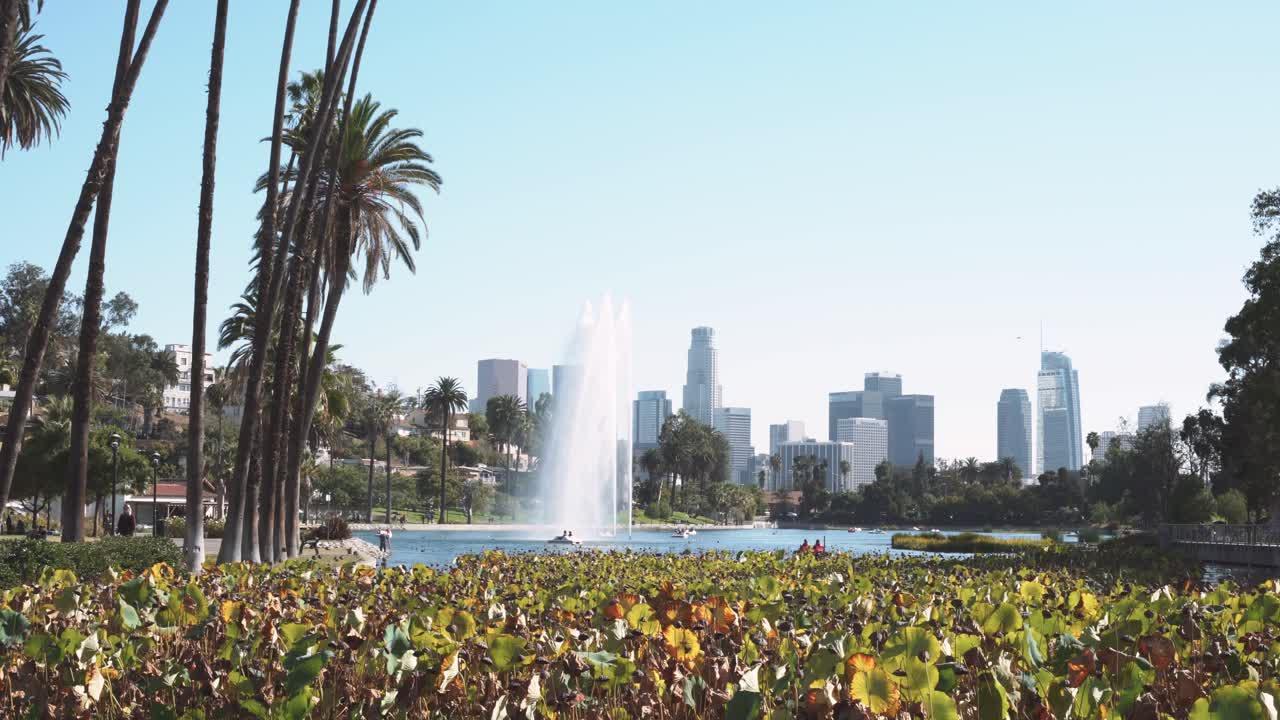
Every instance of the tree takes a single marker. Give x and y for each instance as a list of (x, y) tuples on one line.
[(506, 414), (31, 101), (1093, 441), (90, 321), (1232, 507), (446, 397), (37, 343), (204, 230)]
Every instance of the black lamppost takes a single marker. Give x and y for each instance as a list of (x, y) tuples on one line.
[(115, 478), (155, 494)]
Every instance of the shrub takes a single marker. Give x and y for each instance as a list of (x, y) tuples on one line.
[(1090, 535), (658, 511), (962, 543), (334, 527), (21, 561), (1053, 534), (176, 527), (1232, 507)]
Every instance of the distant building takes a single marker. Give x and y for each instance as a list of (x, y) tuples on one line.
[(1058, 395), (762, 462), (888, 385), (789, 431), (1107, 438), (419, 421), (831, 452), (496, 377), (177, 398), (852, 404), (564, 382), (649, 411), (702, 391), (537, 382), (1149, 415), (910, 419), (1013, 429), (870, 440), (735, 424)]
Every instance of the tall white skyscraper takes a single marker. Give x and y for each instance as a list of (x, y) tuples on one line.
[(702, 393), (789, 431), (1013, 429), (870, 440), (1058, 395), (1149, 415), (735, 424), (496, 377), (828, 453)]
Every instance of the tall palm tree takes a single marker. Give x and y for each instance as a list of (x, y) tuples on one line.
[(651, 463), (204, 230), (445, 397), (393, 406), (38, 339), (371, 416), (91, 317), (504, 413), (32, 104), (970, 469)]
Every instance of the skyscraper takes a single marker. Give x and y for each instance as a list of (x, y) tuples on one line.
[(735, 424), (830, 453), (538, 382), (1013, 429), (563, 381), (888, 385), (841, 405), (651, 409), (870, 402), (910, 428), (870, 440), (789, 431), (1058, 395), (496, 377), (1149, 415), (702, 392)]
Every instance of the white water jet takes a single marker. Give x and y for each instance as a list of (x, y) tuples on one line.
[(586, 476)]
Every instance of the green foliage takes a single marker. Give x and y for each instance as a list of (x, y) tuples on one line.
[(963, 543), (333, 527), (1089, 534), (23, 561), (176, 527), (660, 510), (1232, 507)]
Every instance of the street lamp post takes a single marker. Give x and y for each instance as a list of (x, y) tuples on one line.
[(115, 478), (155, 494)]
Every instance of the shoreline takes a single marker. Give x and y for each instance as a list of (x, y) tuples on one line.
[(525, 527)]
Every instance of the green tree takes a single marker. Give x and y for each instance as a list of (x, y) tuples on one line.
[(445, 397), (31, 101), (1232, 507)]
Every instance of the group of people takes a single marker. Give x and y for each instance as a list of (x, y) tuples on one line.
[(384, 539), (817, 548)]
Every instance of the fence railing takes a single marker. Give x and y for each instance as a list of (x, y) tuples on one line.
[(1256, 535)]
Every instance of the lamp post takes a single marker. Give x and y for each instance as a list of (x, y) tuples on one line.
[(115, 478), (155, 494)]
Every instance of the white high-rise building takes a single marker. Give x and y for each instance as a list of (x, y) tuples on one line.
[(735, 424), (702, 392), (1149, 415), (177, 398), (1107, 438), (830, 453), (870, 440), (789, 431)]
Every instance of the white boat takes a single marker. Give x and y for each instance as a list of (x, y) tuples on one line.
[(684, 533), (565, 539), (935, 530), (915, 528), (855, 529)]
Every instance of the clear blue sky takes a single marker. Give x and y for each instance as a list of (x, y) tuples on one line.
[(836, 187)]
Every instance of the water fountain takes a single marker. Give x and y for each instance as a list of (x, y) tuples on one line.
[(587, 470)]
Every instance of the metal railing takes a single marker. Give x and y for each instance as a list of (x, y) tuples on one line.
[(1252, 535)]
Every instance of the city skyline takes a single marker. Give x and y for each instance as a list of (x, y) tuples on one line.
[(1147, 144)]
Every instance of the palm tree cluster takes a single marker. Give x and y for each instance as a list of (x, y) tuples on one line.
[(695, 454), (343, 204)]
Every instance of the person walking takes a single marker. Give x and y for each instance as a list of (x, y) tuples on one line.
[(127, 522)]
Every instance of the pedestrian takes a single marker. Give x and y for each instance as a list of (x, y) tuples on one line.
[(127, 522)]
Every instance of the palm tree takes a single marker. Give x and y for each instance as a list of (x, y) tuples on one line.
[(204, 230), (970, 469), (371, 416), (651, 463), (504, 413), (1007, 465), (216, 398), (1093, 441), (32, 104), (393, 405), (445, 397), (38, 339), (845, 468)]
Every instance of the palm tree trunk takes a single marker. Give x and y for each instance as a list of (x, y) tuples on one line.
[(195, 432), (91, 316), (38, 341), (248, 532), (388, 513), (373, 440), (274, 280), (444, 460), (274, 456), (8, 38), (266, 493)]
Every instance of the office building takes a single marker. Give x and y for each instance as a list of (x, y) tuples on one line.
[(789, 431), (537, 383), (888, 385), (496, 377), (564, 380), (870, 402), (1149, 415), (702, 392), (910, 419), (1058, 395), (735, 424), (870, 440), (830, 453), (762, 463), (177, 397), (649, 411), (1107, 438), (1013, 429)]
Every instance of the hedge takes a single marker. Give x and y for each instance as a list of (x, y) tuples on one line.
[(22, 561)]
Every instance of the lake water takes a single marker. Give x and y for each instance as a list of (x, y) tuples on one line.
[(440, 547)]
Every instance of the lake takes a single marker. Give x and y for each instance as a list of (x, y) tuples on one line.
[(440, 547)]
